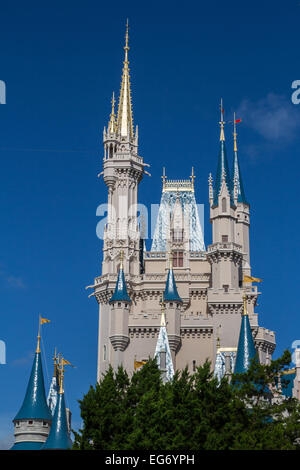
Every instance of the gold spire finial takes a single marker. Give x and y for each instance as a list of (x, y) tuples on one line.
[(38, 349), (112, 118), (245, 312), (126, 47), (163, 318), (193, 177), (41, 322), (124, 118), (63, 362), (170, 259), (55, 360), (218, 337), (234, 134), (164, 178), (222, 135), (121, 258)]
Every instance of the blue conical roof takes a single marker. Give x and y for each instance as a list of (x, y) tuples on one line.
[(30, 445), (222, 173), (59, 437), (171, 293), (237, 176), (120, 294), (246, 350), (35, 404)]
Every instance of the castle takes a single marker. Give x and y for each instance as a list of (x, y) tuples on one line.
[(203, 316), (180, 302)]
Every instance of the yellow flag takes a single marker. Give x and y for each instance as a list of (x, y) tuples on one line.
[(44, 320), (138, 364), (65, 362), (251, 279)]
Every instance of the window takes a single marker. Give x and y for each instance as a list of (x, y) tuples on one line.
[(178, 259), (224, 238), (104, 352), (30, 422), (45, 423), (177, 235), (194, 366), (224, 206), (226, 287)]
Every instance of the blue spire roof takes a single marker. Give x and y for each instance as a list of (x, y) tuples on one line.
[(222, 173), (171, 293), (246, 349), (35, 404), (120, 294), (59, 437), (236, 175), (30, 445)]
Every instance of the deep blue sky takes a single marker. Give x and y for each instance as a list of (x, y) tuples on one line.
[(61, 61)]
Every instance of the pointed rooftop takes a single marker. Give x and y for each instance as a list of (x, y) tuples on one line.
[(236, 171), (35, 404), (222, 175), (125, 116), (112, 119), (246, 348), (59, 436), (162, 350), (120, 294), (171, 293)]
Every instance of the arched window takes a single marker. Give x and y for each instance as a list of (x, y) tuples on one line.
[(224, 205)]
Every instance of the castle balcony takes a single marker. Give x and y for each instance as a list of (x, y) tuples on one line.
[(125, 157), (224, 246)]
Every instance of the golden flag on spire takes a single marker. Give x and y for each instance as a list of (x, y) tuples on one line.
[(44, 320), (251, 279), (138, 364)]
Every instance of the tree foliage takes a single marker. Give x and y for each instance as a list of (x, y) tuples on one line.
[(192, 412)]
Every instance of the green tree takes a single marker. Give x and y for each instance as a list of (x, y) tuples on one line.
[(191, 412)]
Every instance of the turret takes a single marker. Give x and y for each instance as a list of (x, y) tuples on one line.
[(173, 304), (59, 434), (123, 170), (120, 306), (246, 351), (32, 422), (242, 208), (222, 207), (224, 254)]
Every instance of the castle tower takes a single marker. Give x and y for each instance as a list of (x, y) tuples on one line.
[(122, 172), (120, 305), (242, 208), (59, 434), (32, 423), (224, 254), (173, 304)]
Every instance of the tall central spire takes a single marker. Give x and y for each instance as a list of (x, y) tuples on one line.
[(124, 118), (222, 168)]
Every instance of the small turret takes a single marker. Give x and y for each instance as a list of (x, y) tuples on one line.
[(59, 436), (120, 305), (171, 293), (33, 421), (246, 349), (120, 294)]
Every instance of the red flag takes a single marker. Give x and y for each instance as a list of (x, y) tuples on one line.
[(237, 120)]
